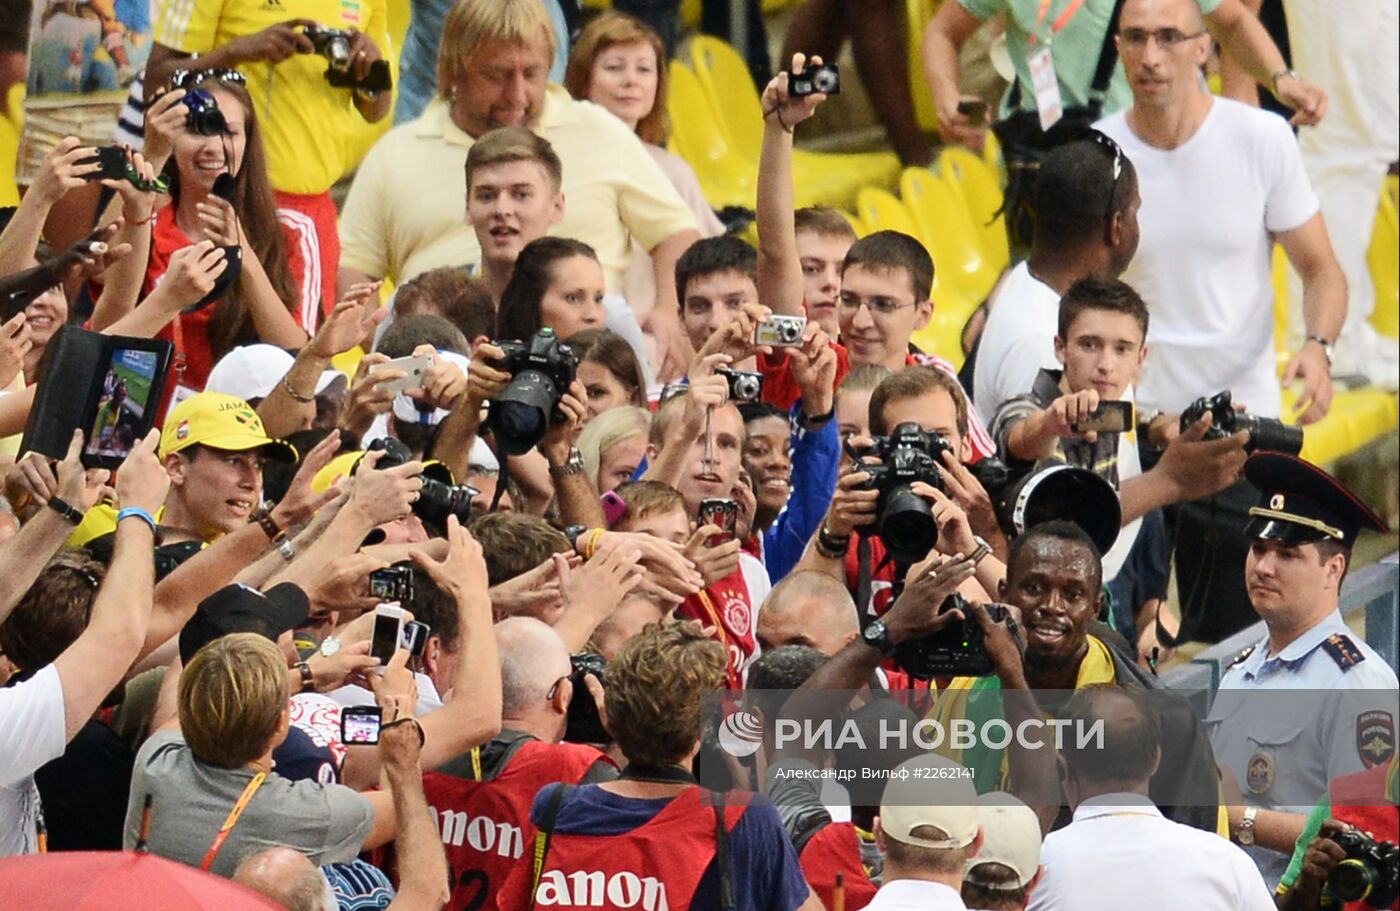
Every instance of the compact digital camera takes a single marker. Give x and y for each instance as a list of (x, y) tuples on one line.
[(825, 79)]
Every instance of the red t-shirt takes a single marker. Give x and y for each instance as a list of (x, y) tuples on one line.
[(190, 332)]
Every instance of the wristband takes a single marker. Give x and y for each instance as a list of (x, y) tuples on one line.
[(592, 543), (145, 221), (64, 509), (815, 423), (136, 512), (833, 547), (308, 679), (268, 524)]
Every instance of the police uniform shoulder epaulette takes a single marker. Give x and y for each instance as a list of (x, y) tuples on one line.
[(1239, 659), (1343, 651)]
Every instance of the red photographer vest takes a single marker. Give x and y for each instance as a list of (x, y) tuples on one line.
[(836, 848), (1361, 800), (485, 824), (656, 866)]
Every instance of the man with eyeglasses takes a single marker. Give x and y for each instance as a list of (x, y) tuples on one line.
[(482, 799), (1220, 183)]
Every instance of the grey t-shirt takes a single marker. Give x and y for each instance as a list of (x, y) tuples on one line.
[(326, 822)]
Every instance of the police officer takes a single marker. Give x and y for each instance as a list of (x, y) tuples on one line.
[(1309, 702)]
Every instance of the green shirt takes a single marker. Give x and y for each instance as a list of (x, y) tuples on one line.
[(1075, 48)]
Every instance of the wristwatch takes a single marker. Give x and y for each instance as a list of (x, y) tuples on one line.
[(330, 646), (1326, 346), (1245, 835), (572, 465), (308, 679), (877, 636), (1276, 76)]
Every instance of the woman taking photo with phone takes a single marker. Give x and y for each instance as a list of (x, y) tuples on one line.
[(219, 191)]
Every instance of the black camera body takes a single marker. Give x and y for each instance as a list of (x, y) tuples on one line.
[(903, 519), (585, 724), (957, 650), (202, 114), (744, 385), (1265, 434), (541, 371), (437, 499), (825, 79), (1370, 873)]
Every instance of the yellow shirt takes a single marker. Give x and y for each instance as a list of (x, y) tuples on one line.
[(405, 212), (308, 127)]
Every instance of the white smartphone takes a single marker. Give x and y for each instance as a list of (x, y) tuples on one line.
[(414, 367), (388, 632)]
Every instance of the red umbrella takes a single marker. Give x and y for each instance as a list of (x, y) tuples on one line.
[(119, 881)]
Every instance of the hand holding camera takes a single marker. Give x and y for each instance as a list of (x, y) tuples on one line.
[(1067, 412), (561, 436), (1198, 463), (67, 167), (273, 44), (435, 499), (738, 338), (794, 96), (541, 371), (852, 504), (920, 609), (352, 58), (389, 494)]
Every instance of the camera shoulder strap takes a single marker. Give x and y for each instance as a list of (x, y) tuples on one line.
[(726, 865), (1103, 70), (543, 835)]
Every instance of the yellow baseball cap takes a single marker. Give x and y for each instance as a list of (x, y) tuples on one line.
[(219, 421)]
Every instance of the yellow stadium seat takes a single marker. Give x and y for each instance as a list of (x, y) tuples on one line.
[(881, 210), (948, 232), (9, 153), (917, 15), (831, 179), (1384, 260), (1281, 314), (725, 178), (1357, 417), (981, 194)]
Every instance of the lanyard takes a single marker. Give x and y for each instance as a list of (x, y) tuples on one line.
[(1057, 25), (177, 329), (233, 815), (714, 615)]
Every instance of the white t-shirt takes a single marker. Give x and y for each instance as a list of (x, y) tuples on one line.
[(32, 728), (1209, 210), (1017, 341)]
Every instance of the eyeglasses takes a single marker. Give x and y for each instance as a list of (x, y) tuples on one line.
[(1167, 38), (1106, 142), (554, 690), (878, 306), (184, 79)]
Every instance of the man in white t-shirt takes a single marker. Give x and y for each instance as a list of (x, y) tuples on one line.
[(1220, 183)]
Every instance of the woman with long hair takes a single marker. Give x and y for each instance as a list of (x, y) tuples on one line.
[(620, 64), (557, 283), (609, 371), (219, 191)]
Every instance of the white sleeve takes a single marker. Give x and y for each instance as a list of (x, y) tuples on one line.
[(1290, 202), (32, 725), (1254, 894)]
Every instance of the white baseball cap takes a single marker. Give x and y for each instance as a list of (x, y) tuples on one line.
[(1010, 837), (930, 791), (253, 371)]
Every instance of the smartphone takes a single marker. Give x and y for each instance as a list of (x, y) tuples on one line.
[(415, 367), (359, 724), (722, 513), (1109, 417), (112, 163), (388, 632), (973, 110), (415, 638), (392, 583)]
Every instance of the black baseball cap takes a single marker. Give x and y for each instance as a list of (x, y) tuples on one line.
[(238, 608)]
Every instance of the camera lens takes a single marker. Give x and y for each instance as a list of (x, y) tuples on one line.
[(1269, 435), (436, 501), (1351, 881), (520, 416), (906, 525), (824, 81)]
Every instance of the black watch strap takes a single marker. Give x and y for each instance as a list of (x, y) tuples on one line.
[(65, 509)]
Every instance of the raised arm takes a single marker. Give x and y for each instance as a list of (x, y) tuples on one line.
[(423, 873), (95, 663), (1247, 42), (944, 37)]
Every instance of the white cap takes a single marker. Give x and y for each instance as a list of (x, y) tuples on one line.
[(253, 371), (930, 791), (1010, 837)]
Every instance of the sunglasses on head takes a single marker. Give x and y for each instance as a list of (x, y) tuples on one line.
[(185, 79)]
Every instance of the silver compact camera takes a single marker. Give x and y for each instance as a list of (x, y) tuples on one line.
[(781, 331)]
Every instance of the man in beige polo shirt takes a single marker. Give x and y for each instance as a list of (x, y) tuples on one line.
[(404, 214)]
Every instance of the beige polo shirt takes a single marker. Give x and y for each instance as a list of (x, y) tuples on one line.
[(406, 212)]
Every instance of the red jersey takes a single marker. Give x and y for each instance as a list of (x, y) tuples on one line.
[(656, 865), (836, 848), (189, 332), (728, 607), (483, 812)]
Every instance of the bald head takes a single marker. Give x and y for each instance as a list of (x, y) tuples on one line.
[(1126, 756), (1181, 12), (808, 608), (286, 877), (532, 658)]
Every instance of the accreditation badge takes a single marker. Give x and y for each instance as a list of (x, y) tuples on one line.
[(1259, 775)]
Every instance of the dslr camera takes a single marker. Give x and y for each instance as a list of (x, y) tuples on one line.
[(744, 386), (1369, 874), (541, 371), (334, 44), (957, 650), (825, 79), (903, 519), (1267, 434), (584, 724), (437, 499)]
